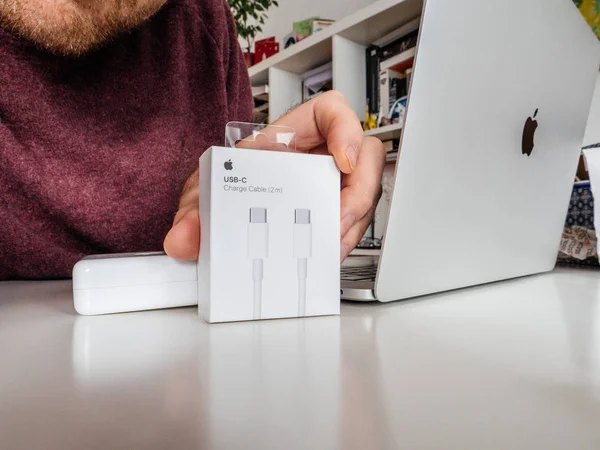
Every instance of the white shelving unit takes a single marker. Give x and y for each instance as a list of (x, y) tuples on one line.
[(344, 43), (386, 133)]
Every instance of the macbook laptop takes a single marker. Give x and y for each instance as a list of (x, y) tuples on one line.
[(498, 105)]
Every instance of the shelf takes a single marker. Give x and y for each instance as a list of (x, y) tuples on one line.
[(299, 58), (262, 97), (262, 108), (363, 27), (400, 62), (386, 133), (365, 252)]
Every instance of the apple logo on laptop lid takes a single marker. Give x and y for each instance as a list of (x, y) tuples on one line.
[(529, 130)]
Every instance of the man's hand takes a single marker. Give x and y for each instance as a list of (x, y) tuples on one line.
[(325, 125)]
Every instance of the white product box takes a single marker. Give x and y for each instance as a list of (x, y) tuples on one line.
[(270, 235)]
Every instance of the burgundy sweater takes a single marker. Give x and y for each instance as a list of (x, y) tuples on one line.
[(94, 150)]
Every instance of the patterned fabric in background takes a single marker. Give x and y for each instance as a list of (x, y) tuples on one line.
[(580, 218), (581, 208), (591, 11)]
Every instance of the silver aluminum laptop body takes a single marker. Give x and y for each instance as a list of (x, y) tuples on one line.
[(468, 206)]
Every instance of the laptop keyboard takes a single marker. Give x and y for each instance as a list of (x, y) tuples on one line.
[(359, 273)]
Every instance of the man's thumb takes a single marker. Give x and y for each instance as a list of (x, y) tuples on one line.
[(183, 240)]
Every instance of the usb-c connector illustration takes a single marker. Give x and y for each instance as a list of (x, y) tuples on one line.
[(302, 251), (258, 250)]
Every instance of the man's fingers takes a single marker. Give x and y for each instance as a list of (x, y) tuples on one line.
[(361, 190), (341, 128), (183, 240), (325, 123), (327, 119), (354, 235)]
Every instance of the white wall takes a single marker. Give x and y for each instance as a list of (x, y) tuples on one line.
[(280, 20), (592, 134)]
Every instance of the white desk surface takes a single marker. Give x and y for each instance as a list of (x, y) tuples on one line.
[(514, 365)]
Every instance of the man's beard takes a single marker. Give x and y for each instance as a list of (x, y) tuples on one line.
[(74, 27)]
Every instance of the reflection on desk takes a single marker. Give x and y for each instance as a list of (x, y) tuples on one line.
[(514, 365), (227, 380)]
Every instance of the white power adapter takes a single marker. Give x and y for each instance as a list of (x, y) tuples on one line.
[(126, 282)]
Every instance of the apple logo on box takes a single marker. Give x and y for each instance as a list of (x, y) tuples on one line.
[(228, 165), (529, 134)]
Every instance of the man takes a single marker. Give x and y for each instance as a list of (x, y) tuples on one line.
[(105, 108)]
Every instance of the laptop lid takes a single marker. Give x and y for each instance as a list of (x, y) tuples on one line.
[(468, 206)]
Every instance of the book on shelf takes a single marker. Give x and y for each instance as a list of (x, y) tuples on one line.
[(393, 86), (398, 88), (386, 79), (400, 46), (394, 97), (396, 52), (317, 81), (372, 60)]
